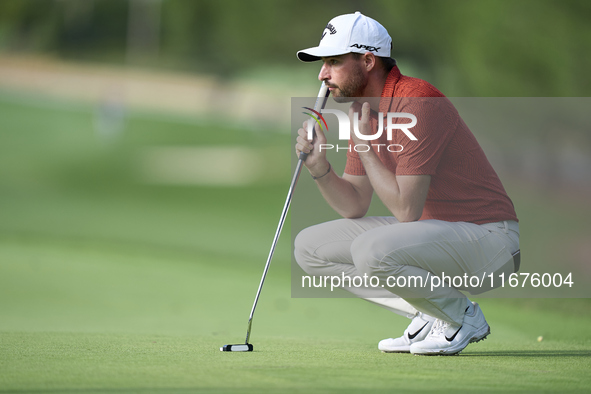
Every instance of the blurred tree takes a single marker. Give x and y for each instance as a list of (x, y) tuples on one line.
[(465, 47), (143, 29)]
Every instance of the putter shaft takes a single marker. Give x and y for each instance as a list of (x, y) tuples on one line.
[(320, 103)]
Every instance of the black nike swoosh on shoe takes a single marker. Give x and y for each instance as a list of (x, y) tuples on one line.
[(453, 336), (412, 336)]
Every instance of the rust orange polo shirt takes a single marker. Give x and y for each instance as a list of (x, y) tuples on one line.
[(464, 186)]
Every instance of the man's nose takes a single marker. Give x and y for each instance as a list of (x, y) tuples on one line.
[(324, 74)]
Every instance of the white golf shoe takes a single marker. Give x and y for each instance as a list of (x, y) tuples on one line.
[(447, 338), (416, 331)]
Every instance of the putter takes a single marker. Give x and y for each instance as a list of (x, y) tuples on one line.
[(247, 347)]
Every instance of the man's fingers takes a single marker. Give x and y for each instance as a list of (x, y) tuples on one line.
[(306, 127), (303, 144), (311, 123), (360, 114), (365, 111), (317, 135), (319, 132)]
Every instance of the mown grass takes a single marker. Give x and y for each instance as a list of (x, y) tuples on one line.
[(111, 285)]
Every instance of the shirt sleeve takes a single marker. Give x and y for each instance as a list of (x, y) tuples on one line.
[(436, 123)]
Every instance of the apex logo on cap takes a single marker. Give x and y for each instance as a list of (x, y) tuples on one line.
[(368, 47), (330, 28)]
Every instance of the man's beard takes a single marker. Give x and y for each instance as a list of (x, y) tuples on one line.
[(350, 89)]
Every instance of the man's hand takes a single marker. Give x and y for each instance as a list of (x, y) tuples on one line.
[(364, 121), (316, 161), (403, 195)]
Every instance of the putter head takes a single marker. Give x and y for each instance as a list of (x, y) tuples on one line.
[(245, 347)]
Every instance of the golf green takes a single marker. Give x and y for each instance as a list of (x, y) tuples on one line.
[(111, 284)]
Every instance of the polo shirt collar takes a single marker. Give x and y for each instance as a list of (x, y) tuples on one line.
[(388, 91)]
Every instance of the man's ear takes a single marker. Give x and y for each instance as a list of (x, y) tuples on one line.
[(369, 61)]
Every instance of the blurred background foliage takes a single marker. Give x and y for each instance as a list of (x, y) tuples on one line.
[(465, 47)]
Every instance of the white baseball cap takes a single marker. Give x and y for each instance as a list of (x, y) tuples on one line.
[(350, 33)]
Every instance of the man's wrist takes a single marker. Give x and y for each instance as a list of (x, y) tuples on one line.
[(322, 174)]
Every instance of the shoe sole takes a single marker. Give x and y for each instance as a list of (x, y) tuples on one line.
[(443, 352), (482, 338)]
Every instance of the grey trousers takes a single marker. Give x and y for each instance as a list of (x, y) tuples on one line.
[(390, 251)]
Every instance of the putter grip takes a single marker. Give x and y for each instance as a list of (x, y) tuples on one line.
[(303, 156), (320, 103)]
